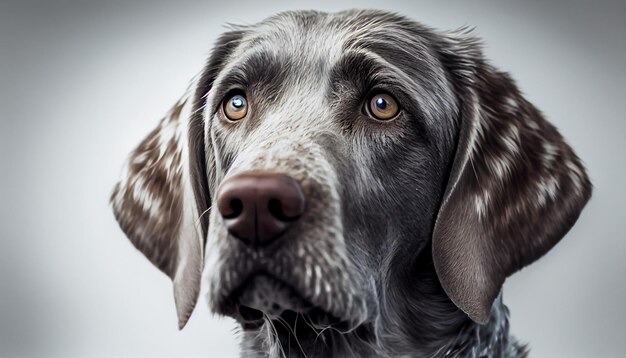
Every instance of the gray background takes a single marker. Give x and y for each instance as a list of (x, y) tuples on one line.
[(82, 83)]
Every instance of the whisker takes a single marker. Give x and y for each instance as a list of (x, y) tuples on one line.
[(288, 326), (201, 215), (273, 335)]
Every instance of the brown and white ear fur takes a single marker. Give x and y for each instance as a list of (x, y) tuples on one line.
[(515, 187), (154, 204), (162, 201)]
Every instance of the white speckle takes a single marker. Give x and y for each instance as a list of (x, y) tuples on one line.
[(139, 158), (550, 153), (143, 196), (327, 258), (551, 187), (512, 139), (307, 275), (318, 278), (511, 102), (547, 188), (500, 166), (576, 175), (532, 124), (574, 168), (481, 202)]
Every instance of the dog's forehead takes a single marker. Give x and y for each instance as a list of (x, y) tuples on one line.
[(318, 39), (306, 39), (297, 34)]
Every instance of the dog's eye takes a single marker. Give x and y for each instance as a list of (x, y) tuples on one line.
[(383, 107), (236, 107)]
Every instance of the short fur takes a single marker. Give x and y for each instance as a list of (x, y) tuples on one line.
[(412, 225)]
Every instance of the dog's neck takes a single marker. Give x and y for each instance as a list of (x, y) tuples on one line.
[(420, 321), (490, 340), (474, 340)]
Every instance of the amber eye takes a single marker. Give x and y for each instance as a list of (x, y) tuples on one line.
[(383, 107), (235, 107)]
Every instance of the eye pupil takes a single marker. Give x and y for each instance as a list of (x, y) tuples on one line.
[(237, 102), (235, 107), (382, 107), (381, 103)]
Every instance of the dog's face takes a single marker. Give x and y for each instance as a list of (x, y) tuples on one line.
[(368, 174), (324, 165)]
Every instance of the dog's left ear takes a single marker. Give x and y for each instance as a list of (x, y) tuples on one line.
[(514, 190)]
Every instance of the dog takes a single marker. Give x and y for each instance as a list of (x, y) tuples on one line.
[(351, 184)]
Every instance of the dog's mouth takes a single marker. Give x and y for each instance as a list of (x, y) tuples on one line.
[(264, 297)]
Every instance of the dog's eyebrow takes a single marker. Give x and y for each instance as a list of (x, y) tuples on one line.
[(259, 67), (366, 70)]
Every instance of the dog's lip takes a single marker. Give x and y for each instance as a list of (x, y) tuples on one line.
[(233, 299), (252, 318), (327, 287)]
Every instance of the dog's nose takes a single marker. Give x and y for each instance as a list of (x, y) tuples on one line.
[(259, 207)]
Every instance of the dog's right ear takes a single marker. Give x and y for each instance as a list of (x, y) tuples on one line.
[(163, 198), (154, 204)]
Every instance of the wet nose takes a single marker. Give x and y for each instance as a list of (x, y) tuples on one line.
[(259, 207)]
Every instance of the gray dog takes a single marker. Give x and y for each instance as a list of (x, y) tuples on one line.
[(351, 184)]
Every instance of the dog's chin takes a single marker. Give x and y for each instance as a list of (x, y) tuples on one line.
[(264, 297)]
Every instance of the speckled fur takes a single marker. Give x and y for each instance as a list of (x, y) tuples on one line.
[(412, 225)]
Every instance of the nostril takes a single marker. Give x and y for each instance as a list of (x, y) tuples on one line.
[(235, 208), (275, 207)]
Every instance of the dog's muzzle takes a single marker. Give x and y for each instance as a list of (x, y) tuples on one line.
[(276, 239), (257, 209)]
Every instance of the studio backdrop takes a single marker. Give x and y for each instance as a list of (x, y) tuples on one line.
[(82, 82)]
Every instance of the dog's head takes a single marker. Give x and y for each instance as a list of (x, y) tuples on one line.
[(320, 161)]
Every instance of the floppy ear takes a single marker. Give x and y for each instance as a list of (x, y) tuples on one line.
[(155, 206), (163, 198), (514, 190)]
